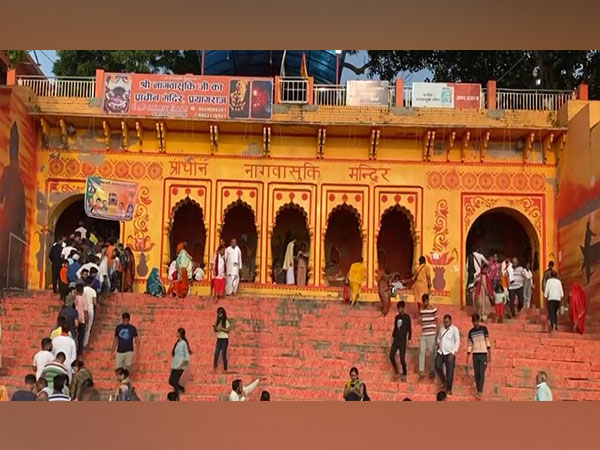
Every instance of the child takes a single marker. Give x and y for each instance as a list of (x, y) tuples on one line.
[(64, 280), (500, 299), (397, 286)]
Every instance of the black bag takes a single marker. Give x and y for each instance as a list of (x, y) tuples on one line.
[(366, 397)]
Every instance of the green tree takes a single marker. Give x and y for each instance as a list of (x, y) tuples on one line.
[(85, 62), (517, 69)]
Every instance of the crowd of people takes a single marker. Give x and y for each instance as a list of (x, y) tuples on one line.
[(86, 269)]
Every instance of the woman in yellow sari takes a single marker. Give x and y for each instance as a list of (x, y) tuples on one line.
[(357, 275)]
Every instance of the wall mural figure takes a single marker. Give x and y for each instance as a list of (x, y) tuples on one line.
[(591, 252), (12, 205)]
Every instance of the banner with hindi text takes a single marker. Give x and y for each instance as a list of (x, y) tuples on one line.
[(187, 96)]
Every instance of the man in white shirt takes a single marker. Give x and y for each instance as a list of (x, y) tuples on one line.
[(554, 294), (81, 230), (239, 391), (516, 276), (66, 251), (233, 266), (65, 344), (87, 266), (447, 344), (90, 295), (43, 357)]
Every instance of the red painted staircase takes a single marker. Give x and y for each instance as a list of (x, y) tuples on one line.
[(305, 349)]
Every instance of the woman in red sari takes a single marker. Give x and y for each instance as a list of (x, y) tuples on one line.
[(129, 271), (218, 273), (577, 308), (180, 287)]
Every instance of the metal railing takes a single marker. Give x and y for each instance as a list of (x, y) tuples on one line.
[(534, 100), (83, 87), (293, 90)]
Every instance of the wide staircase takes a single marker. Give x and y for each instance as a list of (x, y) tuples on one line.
[(305, 348)]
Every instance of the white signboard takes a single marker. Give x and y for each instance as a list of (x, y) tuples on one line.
[(367, 93), (432, 95)]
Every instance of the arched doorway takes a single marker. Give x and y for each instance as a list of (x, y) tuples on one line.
[(343, 243), (507, 232), (395, 243), (291, 222), (188, 226), (65, 219), (73, 212), (239, 223)]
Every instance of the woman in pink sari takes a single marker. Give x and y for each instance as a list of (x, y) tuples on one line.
[(577, 308)]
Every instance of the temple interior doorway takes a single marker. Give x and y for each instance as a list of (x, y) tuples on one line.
[(68, 221), (291, 223), (239, 223), (343, 243), (188, 226), (395, 243), (507, 233)]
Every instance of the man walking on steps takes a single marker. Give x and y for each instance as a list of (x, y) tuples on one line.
[(429, 319), (554, 294), (479, 345), (402, 332), (125, 342), (448, 343), (233, 266)]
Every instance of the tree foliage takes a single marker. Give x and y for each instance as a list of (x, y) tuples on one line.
[(85, 62), (517, 69)]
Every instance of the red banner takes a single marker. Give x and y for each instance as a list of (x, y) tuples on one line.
[(187, 96), (466, 95)]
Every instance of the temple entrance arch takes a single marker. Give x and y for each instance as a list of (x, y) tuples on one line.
[(395, 241), (70, 212), (239, 223), (509, 233), (291, 222), (188, 225), (343, 243), (65, 218)]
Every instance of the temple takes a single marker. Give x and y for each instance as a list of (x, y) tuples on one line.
[(373, 169)]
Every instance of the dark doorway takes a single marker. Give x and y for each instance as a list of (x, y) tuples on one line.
[(395, 246), (508, 233), (69, 220), (188, 226), (291, 222), (239, 223), (343, 243)]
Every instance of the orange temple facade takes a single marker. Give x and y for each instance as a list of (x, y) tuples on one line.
[(387, 183)]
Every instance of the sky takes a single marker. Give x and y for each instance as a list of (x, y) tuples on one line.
[(46, 59)]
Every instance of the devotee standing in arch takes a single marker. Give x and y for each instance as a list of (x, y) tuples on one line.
[(233, 265), (384, 287), (181, 286), (356, 277), (494, 270), (217, 266), (483, 293), (421, 280), (288, 262), (301, 265)]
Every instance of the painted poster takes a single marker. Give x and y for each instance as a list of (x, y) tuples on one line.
[(187, 96), (109, 199), (446, 95), (367, 93), (17, 188)]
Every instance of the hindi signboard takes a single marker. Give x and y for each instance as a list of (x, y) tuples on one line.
[(446, 95), (187, 96), (367, 93), (109, 199)]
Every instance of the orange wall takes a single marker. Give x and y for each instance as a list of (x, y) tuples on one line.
[(578, 202), (17, 185)]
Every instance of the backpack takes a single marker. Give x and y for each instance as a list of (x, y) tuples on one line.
[(366, 397)]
